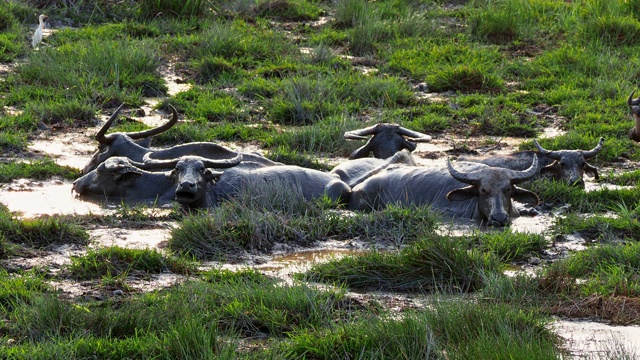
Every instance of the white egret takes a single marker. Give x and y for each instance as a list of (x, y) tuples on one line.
[(37, 36)]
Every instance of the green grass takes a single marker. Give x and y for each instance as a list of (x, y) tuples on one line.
[(117, 262), (38, 170), (41, 232), (433, 264)]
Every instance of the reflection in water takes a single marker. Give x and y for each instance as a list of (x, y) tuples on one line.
[(32, 199)]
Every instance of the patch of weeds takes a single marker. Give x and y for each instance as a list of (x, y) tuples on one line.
[(509, 246), (453, 328), (463, 78), (613, 30), (117, 262), (327, 136), (601, 228), (204, 104), (303, 101), (498, 26), (70, 113), (15, 288), (37, 170), (41, 232), (628, 178), (287, 10), (211, 68), (173, 8), (433, 264), (607, 269)]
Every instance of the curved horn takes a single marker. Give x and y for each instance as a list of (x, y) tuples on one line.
[(414, 135), (593, 152), (158, 130), (466, 178), (360, 133), (631, 101), (552, 154), (524, 175), (100, 135), (149, 163)]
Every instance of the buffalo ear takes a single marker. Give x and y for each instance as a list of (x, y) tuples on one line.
[(551, 169), (591, 171), (127, 178), (524, 196), (465, 193), (212, 175)]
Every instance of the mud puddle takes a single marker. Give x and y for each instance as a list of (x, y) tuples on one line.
[(594, 340), (30, 199)]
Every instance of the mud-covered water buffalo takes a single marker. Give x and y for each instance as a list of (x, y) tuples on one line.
[(120, 177), (134, 145), (634, 106), (469, 191), (386, 140), (355, 171), (195, 186), (565, 165)]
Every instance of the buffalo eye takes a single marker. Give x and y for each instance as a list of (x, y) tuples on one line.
[(562, 164), (483, 191)]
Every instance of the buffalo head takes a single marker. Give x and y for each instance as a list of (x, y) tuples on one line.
[(115, 177), (494, 187), (387, 139), (570, 165), (191, 175), (129, 144)]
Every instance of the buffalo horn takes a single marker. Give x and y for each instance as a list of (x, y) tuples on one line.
[(170, 163), (361, 133), (100, 135), (466, 178), (524, 175), (414, 135), (593, 152), (140, 134), (631, 101), (552, 154)]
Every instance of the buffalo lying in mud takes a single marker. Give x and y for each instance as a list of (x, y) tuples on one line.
[(387, 139), (134, 145), (565, 165), (473, 191), (119, 177), (355, 171), (194, 186), (634, 106)]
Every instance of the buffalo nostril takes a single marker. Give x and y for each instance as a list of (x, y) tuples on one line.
[(499, 219)]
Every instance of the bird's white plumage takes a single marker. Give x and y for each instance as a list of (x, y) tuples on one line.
[(37, 36)]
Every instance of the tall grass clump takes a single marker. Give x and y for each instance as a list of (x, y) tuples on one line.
[(433, 264), (120, 262), (613, 30), (350, 13), (176, 8), (38, 170), (498, 26), (41, 232), (457, 329), (464, 78)]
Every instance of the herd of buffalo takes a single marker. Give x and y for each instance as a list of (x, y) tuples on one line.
[(202, 174)]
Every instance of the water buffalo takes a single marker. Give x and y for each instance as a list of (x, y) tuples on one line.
[(634, 133), (134, 145), (387, 139), (566, 165), (120, 177), (194, 187), (355, 171), (472, 191)]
